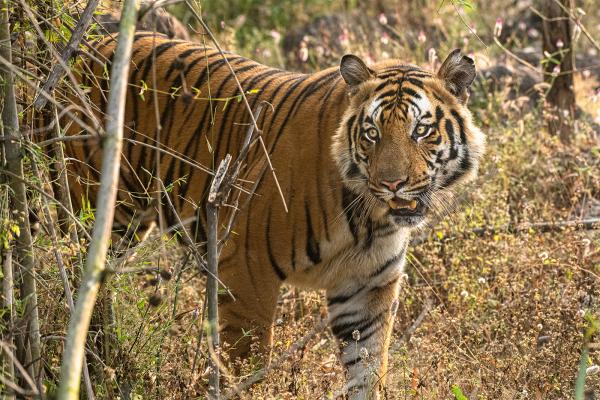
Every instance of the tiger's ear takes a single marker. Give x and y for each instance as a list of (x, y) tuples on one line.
[(354, 71), (458, 72)]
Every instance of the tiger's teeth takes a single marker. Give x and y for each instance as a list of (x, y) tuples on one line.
[(396, 204)]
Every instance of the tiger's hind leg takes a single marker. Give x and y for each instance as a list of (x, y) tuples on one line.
[(247, 321)]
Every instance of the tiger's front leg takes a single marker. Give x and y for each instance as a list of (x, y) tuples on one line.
[(362, 318)]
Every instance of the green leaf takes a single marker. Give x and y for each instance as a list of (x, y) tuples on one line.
[(458, 394), (16, 230)]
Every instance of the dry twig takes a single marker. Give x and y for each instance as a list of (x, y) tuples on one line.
[(69, 51)]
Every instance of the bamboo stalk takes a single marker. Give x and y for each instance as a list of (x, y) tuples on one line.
[(12, 151), (95, 264)]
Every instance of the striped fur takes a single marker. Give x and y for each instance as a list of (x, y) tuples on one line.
[(340, 234)]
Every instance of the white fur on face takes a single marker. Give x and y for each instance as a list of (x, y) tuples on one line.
[(373, 109), (423, 103)]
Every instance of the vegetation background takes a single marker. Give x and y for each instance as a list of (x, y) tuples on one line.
[(493, 307)]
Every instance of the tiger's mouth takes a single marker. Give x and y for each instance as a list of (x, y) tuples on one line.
[(407, 212)]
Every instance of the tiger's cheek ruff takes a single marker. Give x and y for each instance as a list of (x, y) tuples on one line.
[(458, 161)]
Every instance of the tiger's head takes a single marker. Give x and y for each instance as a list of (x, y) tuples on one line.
[(407, 140)]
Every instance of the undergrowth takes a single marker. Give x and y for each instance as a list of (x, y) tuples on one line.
[(505, 313)]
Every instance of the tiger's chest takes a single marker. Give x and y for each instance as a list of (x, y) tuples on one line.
[(355, 254)]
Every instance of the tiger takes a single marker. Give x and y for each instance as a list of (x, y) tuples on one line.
[(363, 157)]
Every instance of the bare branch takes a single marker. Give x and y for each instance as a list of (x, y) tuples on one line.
[(71, 49)]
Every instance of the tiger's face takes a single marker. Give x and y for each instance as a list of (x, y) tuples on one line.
[(407, 140)]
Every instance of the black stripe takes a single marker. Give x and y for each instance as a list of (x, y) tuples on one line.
[(390, 262), (266, 130), (412, 103), (342, 298), (346, 314), (311, 89), (299, 80), (306, 92), (206, 113), (436, 139), (267, 76), (410, 92), (178, 62), (354, 171), (168, 113), (312, 245), (464, 166), (195, 137), (461, 126), (199, 82), (450, 132), (420, 74), (415, 82), (439, 114), (154, 55), (146, 63), (344, 331), (349, 126), (325, 102), (465, 163), (271, 74), (219, 130), (389, 93), (278, 271), (347, 198)]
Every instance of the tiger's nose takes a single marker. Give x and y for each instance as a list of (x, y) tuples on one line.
[(394, 185)]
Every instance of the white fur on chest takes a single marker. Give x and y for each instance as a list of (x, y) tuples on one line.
[(347, 263)]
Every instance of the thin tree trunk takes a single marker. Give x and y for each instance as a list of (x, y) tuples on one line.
[(560, 100), (95, 265), (212, 283), (14, 164), (9, 317)]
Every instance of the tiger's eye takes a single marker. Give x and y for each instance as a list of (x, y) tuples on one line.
[(371, 135), (421, 131)]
